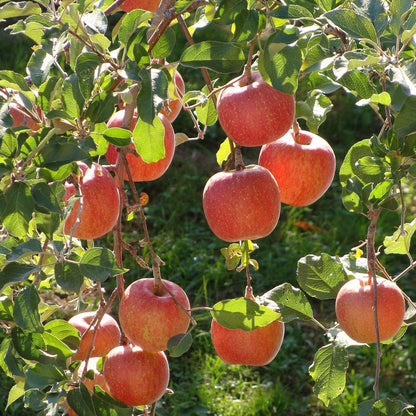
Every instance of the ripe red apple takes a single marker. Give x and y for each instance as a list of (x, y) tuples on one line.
[(106, 338), (175, 105), (355, 314), (149, 5), (242, 204), (140, 170), (150, 317), (100, 202), (252, 113), (303, 166), (136, 377), (257, 347)]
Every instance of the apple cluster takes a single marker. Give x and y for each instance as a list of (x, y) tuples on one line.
[(295, 167)]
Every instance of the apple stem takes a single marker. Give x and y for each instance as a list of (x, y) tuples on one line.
[(247, 66), (246, 260), (374, 215), (238, 158)]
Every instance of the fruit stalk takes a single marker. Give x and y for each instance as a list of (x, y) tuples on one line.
[(371, 261)]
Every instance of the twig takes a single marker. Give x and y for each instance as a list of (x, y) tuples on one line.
[(373, 215)]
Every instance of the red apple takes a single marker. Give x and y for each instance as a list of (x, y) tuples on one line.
[(355, 314), (140, 170), (149, 5), (303, 166), (100, 202), (175, 105), (252, 113), (257, 347), (150, 317), (242, 204), (136, 377), (106, 338)]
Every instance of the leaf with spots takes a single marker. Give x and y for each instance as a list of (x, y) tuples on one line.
[(291, 301), (321, 276), (329, 372)]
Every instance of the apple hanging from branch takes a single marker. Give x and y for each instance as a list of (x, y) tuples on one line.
[(252, 113), (303, 165), (354, 307)]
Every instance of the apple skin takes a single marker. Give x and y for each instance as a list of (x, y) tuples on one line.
[(253, 114), (304, 170), (136, 377), (175, 105), (149, 5), (257, 347), (106, 338), (141, 171), (242, 204), (149, 318), (101, 202), (354, 309)]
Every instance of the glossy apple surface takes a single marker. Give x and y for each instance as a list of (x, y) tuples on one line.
[(136, 377), (140, 170), (106, 338), (242, 204), (150, 317), (253, 113), (149, 5), (100, 202), (304, 170), (257, 347), (354, 309)]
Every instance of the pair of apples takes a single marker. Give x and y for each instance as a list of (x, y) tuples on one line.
[(136, 373)]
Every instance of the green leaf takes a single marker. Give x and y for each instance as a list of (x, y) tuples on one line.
[(207, 113), (13, 80), (29, 345), (16, 272), (72, 97), (130, 23), (59, 152), (105, 405), (246, 25), (57, 348), (19, 9), (329, 372), (390, 407), (47, 197), (25, 311), (320, 276), (355, 25), (101, 107), (291, 11), (405, 122), (118, 136), (291, 301), (280, 64), (354, 267), (9, 145), (25, 249), (370, 166), (15, 393), (39, 66), (399, 243), (85, 67), (69, 276), (223, 152), (357, 82), (218, 56), (80, 401), (40, 376), (16, 208), (165, 44), (47, 223), (99, 263), (314, 110), (242, 313), (149, 140), (179, 344), (63, 331)]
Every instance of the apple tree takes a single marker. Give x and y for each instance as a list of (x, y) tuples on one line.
[(95, 107)]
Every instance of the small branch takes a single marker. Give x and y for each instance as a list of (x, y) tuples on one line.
[(371, 261)]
